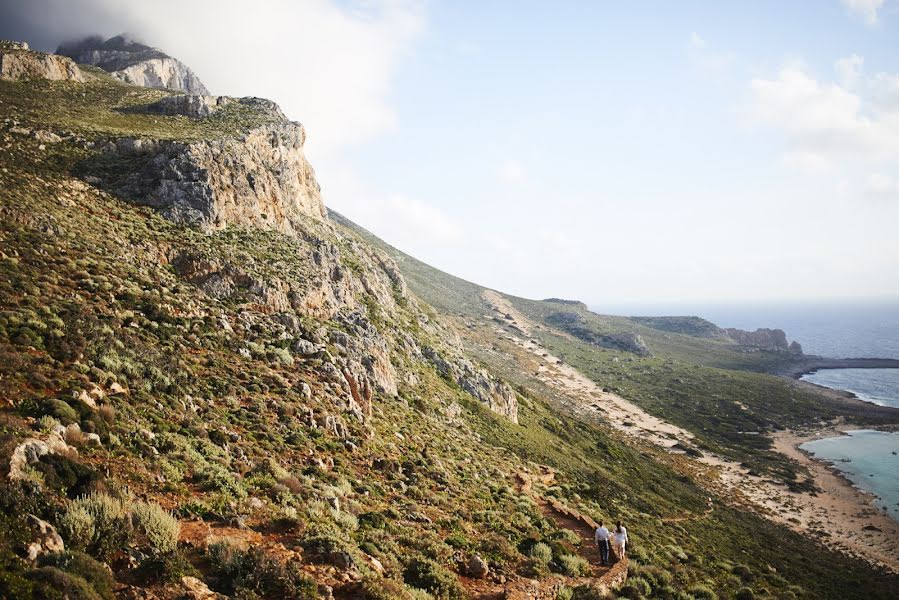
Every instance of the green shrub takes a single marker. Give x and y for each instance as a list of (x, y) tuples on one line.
[(158, 526), (567, 535), (573, 566), (388, 589), (743, 572), (51, 582), (62, 411), (565, 593), (62, 474), (640, 585), (425, 574), (587, 592), (81, 565), (702, 592), (744, 594), (98, 523), (541, 553), (252, 571)]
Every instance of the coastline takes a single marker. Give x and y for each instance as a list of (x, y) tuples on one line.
[(863, 529), (811, 364)]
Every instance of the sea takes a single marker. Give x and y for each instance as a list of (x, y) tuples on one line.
[(869, 329)]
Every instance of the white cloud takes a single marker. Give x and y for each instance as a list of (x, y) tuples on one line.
[(825, 122), (328, 63), (866, 9), (849, 70), (513, 173), (881, 187), (705, 56)]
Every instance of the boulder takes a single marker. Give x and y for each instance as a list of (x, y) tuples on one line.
[(46, 539), (478, 567)]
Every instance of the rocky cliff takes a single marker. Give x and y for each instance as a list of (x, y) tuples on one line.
[(134, 63), (764, 339), (259, 178), (18, 63)]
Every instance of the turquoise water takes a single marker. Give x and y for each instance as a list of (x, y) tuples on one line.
[(870, 459), (880, 386)]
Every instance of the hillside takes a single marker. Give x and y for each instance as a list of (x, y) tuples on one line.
[(211, 386)]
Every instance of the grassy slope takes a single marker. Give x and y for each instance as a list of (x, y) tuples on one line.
[(86, 300)]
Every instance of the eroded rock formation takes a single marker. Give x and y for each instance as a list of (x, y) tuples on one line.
[(134, 63), (18, 63)]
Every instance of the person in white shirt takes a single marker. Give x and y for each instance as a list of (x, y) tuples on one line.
[(619, 538), (602, 538)]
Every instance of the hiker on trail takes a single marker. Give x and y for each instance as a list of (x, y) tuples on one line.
[(619, 537), (602, 538)]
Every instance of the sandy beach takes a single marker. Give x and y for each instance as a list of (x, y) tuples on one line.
[(839, 515)]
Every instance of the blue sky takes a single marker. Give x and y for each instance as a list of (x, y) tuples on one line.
[(616, 152)]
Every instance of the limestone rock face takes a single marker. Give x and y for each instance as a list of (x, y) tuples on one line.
[(477, 382), (18, 63), (764, 339), (260, 179), (135, 63)]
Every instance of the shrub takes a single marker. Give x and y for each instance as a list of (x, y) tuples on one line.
[(62, 411), (629, 591), (388, 589), (158, 526), (425, 574), (255, 572), (77, 526), (574, 566), (541, 553), (63, 474), (567, 535), (52, 582), (744, 594), (100, 523), (640, 584), (81, 565), (743, 572), (566, 593), (46, 423), (587, 592), (702, 592)]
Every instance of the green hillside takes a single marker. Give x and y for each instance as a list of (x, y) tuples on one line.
[(277, 416)]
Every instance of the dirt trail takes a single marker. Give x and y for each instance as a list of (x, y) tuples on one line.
[(841, 507)]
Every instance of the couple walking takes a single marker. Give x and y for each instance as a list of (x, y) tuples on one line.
[(603, 537)]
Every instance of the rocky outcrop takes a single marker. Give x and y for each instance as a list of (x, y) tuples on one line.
[(477, 382), (18, 63), (134, 63), (763, 339), (30, 451), (576, 325), (195, 106), (45, 539), (259, 179)]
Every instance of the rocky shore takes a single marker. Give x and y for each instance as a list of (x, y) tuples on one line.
[(810, 364)]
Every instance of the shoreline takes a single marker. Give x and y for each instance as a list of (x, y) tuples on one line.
[(865, 529), (813, 364)]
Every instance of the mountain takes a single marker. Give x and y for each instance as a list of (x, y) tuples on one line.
[(134, 62), (211, 385)]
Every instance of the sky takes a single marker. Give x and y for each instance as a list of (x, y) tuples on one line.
[(621, 153)]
